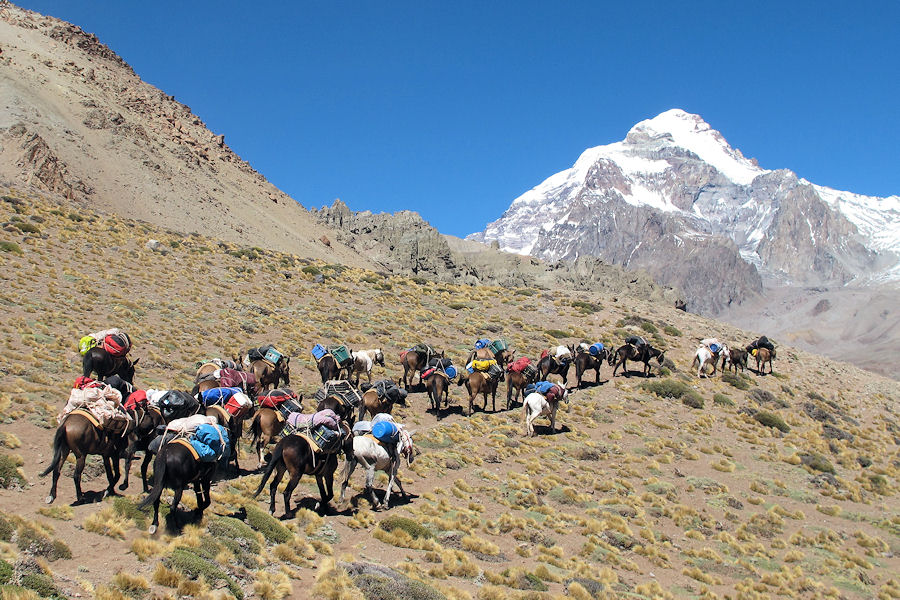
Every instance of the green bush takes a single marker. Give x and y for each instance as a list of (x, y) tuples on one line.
[(128, 509), (10, 247), (75, 217), (722, 400), (30, 539), (229, 529), (370, 278), (584, 307), (817, 462), (772, 420), (693, 400), (6, 572), (9, 472), (26, 227), (42, 584), (413, 528), (649, 327), (735, 381), (671, 388), (672, 330), (557, 333), (186, 562), (458, 305), (375, 587), (268, 525), (311, 270), (6, 529)]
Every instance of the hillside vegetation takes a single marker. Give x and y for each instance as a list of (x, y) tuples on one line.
[(779, 486)]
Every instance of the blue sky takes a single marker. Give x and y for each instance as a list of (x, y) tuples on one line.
[(454, 109)]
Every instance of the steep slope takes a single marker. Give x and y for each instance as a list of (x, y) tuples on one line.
[(75, 120), (676, 199), (784, 485)]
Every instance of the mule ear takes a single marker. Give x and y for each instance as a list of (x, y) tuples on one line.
[(135, 361), (287, 359)]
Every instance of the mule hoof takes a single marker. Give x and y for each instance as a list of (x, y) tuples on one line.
[(49, 499), (123, 486), (152, 529)]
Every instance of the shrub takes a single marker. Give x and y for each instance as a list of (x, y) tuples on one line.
[(10, 247), (186, 562), (649, 327), (42, 584), (26, 227), (9, 471), (693, 400), (268, 525), (128, 509), (672, 330), (761, 396), (73, 216), (6, 529), (735, 381), (458, 305), (32, 540), (410, 526), (585, 308), (6, 572), (557, 333), (311, 270), (772, 420), (817, 462), (722, 400)]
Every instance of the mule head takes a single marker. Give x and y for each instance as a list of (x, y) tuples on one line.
[(662, 357), (286, 369), (379, 357)]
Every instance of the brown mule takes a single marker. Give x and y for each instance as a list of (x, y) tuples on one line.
[(411, 362), (763, 356), (438, 384), (267, 424), (372, 404), (479, 383), (269, 375), (78, 435), (516, 382)]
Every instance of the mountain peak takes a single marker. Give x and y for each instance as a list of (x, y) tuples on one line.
[(691, 132)]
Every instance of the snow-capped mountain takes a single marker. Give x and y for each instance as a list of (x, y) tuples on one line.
[(675, 199)]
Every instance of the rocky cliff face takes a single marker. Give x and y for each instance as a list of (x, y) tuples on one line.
[(405, 243), (675, 199)]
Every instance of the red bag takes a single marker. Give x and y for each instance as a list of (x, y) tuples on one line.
[(403, 355), (545, 354), (137, 398), (85, 382), (117, 344), (519, 365), (428, 372), (238, 405), (275, 397)]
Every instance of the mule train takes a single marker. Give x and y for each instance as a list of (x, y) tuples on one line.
[(195, 436)]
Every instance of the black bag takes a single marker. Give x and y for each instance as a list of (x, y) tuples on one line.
[(529, 373), (763, 342), (440, 363), (258, 353), (176, 404), (388, 388), (328, 440), (495, 372)]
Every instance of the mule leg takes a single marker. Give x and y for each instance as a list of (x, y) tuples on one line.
[(63, 455), (273, 487), (370, 480), (176, 499), (395, 464), (553, 410), (111, 476), (148, 457), (79, 468), (351, 465), (129, 458), (154, 525), (289, 490)]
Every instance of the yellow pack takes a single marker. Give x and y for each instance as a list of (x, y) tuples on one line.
[(85, 344), (483, 365)]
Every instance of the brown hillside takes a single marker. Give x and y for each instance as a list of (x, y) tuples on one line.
[(637, 496), (75, 120)]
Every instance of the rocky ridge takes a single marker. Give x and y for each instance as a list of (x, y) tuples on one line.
[(406, 244)]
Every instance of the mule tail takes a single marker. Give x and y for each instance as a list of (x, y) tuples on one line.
[(255, 430), (273, 462), (59, 441), (159, 478)]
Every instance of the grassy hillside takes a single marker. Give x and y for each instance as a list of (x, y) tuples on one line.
[(783, 485)]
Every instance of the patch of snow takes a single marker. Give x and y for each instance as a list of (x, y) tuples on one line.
[(692, 133)]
